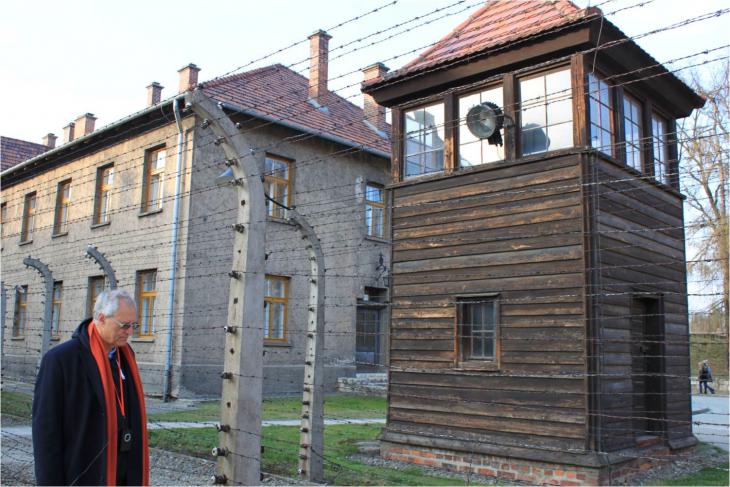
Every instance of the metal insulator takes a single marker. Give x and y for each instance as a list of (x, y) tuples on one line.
[(220, 479), (305, 416), (238, 125), (230, 162), (234, 274), (223, 428), (307, 389), (302, 456), (230, 329), (313, 281), (310, 335), (205, 124), (308, 362), (219, 451), (306, 403), (227, 375), (239, 227), (219, 140), (304, 430)]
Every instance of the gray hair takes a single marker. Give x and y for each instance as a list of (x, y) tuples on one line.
[(107, 303)]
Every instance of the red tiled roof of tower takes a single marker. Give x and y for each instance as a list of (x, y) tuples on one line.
[(497, 23), (280, 94), (15, 151)]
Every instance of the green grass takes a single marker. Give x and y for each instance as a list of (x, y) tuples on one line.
[(16, 404), (281, 448), (336, 406), (707, 476)]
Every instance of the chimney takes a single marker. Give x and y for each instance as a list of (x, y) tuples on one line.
[(188, 77), (154, 93), (374, 113), (50, 140), (318, 54), (68, 133), (84, 124)]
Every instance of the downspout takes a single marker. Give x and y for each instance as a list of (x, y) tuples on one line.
[(173, 258)]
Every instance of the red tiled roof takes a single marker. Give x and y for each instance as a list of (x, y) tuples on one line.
[(495, 24), (276, 92), (15, 151)]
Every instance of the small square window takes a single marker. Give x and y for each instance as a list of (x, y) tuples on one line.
[(424, 140), (478, 331)]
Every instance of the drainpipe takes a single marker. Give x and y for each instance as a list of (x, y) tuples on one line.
[(173, 258)]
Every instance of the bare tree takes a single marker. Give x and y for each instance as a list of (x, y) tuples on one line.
[(705, 143)]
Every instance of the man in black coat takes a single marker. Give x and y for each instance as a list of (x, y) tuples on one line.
[(89, 420)]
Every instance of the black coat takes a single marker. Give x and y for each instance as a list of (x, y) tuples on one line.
[(69, 418)]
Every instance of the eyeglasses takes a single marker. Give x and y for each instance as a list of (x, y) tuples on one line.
[(125, 326)]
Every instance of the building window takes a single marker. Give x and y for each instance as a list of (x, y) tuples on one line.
[(29, 208), (154, 179), (276, 300), (601, 111), (659, 139), (547, 112), (477, 328), (424, 140), (473, 150), (633, 132), (3, 219), (56, 309), (103, 196), (375, 211), (63, 203), (97, 285), (146, 296), (277, 184), (20, 318)]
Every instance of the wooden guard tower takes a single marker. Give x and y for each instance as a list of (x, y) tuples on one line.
[(539, 308)]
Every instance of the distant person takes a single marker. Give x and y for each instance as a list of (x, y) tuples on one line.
[(705, 376), (89, 419)]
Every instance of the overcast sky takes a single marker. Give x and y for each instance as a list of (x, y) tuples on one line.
[(64, 58)]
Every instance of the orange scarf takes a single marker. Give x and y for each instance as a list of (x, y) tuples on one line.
[(107, 381)]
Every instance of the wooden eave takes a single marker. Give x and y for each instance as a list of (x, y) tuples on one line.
[(514, 55), (665, 89)]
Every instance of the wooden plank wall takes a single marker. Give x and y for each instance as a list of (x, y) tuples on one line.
[(512, 229), (641, 241)]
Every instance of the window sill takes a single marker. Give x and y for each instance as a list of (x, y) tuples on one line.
[(25, 242), (61, 234), (377, 239), (150, 212), (283, 221), (143, 339), (100, 225), (17, 338), (478, 365), (56, 338), (277, 343)]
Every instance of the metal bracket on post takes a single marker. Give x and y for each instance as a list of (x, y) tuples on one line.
[(241, 394), (311, 443), (93, 253), (48, 303)]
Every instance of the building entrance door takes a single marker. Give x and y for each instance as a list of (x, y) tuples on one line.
[(367, 339), (647, 367)]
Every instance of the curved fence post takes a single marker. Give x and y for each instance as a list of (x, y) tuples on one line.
[(311, 444), (47, 304), (93, 253)]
